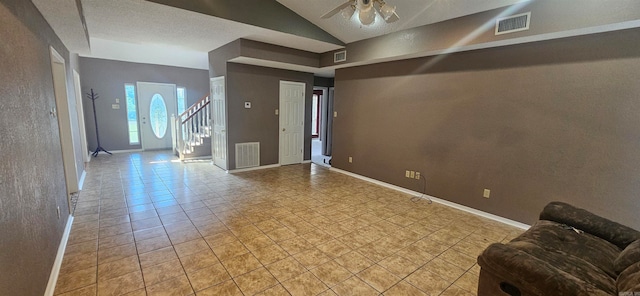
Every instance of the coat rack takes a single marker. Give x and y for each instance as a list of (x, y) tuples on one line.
[(93, 96)]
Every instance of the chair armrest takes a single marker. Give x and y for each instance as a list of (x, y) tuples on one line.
[(613, 232), (530, 275)]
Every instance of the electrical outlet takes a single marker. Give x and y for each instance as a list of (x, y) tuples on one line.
[(412, 174), (335, 113), (486, 193), (407, 174), (417, 175), (350, 159)]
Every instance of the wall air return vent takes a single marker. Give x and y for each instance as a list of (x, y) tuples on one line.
[(340, 56), (247, 155), (514, 23)]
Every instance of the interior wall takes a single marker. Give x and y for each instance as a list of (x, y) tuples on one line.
[(31, 170), (107, 78), (553, 120), (261, 86)]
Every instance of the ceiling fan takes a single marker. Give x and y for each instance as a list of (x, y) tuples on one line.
[(366, 11)]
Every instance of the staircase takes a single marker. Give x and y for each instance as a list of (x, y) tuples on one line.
[(192, 131)]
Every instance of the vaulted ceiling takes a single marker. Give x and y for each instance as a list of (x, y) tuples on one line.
[(158, 32)]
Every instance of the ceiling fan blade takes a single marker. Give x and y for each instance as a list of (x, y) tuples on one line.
[(337, 9), (392, 18)]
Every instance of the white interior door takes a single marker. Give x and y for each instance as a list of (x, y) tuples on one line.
[(291, 122), (59, 74), (81, 125), (156, 103), (219, 139)]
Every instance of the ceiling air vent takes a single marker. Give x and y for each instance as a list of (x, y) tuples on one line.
[(514, 23), (340, 56)]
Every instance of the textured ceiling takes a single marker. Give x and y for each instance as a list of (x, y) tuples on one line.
[(143, 31), (143, 22), (413, 13), (64, 17)]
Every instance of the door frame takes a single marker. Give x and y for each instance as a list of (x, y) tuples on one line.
[(225, 163), (280, 139), (59, 78), (86, 156), (169, 112)]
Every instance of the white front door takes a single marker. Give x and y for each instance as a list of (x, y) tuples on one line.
[(156, 102), (291, 122), (219, 139)]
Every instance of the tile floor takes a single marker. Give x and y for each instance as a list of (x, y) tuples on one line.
[(146, 224)]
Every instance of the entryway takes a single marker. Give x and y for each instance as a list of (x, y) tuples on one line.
[(322, 125), (157, 102)]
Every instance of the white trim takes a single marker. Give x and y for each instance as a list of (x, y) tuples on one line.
[(187, 159), (262, 167), (55, 270), (306, 161), (322, 164), (124, 151), (438, 200), (81, 182)]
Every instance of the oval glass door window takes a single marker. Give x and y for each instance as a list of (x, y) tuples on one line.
[(158, 116)]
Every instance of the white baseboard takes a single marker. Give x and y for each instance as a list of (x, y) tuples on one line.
[(326, 165), (306, 161), (81, 182), (438, 200), (55, 271), (262, 167)]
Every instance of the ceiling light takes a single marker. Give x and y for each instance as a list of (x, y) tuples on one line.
[(348, 12), (366, 11), (387, 11), (367, 16)]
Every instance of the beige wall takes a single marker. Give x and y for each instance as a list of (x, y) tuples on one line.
[(32, 181), (553, 120)]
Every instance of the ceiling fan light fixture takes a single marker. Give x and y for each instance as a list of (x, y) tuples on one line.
[(348, 11), (387, 11), (367, 16)]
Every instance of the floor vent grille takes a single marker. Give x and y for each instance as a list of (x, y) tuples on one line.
[(247, 155), (514, 23)]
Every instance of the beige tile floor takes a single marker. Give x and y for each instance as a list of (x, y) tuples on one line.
[(146, 224)]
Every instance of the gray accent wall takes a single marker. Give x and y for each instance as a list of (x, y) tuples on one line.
[(32, 181), (108, 77), (544, 121), (261, 86)]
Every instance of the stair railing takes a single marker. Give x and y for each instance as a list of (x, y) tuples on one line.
[(192, 126)]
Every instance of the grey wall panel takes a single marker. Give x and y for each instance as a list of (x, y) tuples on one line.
[(553, 120), (32, 181), (261, 86), (107, 78)]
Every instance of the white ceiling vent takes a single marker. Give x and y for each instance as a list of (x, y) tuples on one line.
[(340, 56), (514, 23)]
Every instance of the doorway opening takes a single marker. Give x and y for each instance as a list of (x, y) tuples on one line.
[(322, 122)]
